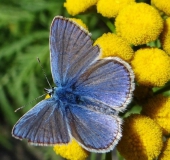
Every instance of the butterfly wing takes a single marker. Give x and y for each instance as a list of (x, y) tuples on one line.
[(95, 131), (45, 124), (104, 89), (71, 51), (109, 81)]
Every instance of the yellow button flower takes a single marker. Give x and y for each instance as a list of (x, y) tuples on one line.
[(163, 5), (75, 7), (111, 8), (151, 66), (165, 154), (142, 138), (139, 23), (158, 108), (165, 36), (112, 45), (72, 151)]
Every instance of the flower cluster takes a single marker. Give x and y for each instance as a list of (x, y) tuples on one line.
[(110, 44), (72, 151), (151, 66), (163, 6), (165, 36), (157, 108), (139, 23), (75, 7), (141, 36), (111, 8), (165, 151), (142, 138)]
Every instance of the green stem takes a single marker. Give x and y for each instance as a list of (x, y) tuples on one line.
[(109, 24), (163, 89)]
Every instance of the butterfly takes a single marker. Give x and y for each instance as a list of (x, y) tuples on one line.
[(89, 94)]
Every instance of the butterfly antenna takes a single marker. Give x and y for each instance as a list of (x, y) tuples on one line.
[(41, 95), (30, 102), (44, 72)]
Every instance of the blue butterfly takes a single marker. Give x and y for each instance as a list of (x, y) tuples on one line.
[(89, 95)]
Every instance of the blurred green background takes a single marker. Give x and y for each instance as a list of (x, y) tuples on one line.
[(24, 36)]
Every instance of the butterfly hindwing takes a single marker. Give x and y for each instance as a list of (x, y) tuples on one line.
[(95, 131), (71, 51), (45, 124)]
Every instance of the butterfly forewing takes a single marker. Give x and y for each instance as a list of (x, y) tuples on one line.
[(45, 124), (71, 51)]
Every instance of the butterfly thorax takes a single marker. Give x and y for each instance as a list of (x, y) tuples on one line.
[(65, 95)]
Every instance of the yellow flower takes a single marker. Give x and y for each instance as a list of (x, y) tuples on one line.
[(79, 22), (78, 6), (165, 155), (151, 66), (165, 36), (111, 8), (112, 45), (142, 138), (158, 108), (163, 5), (139, 23), (72, 151)]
